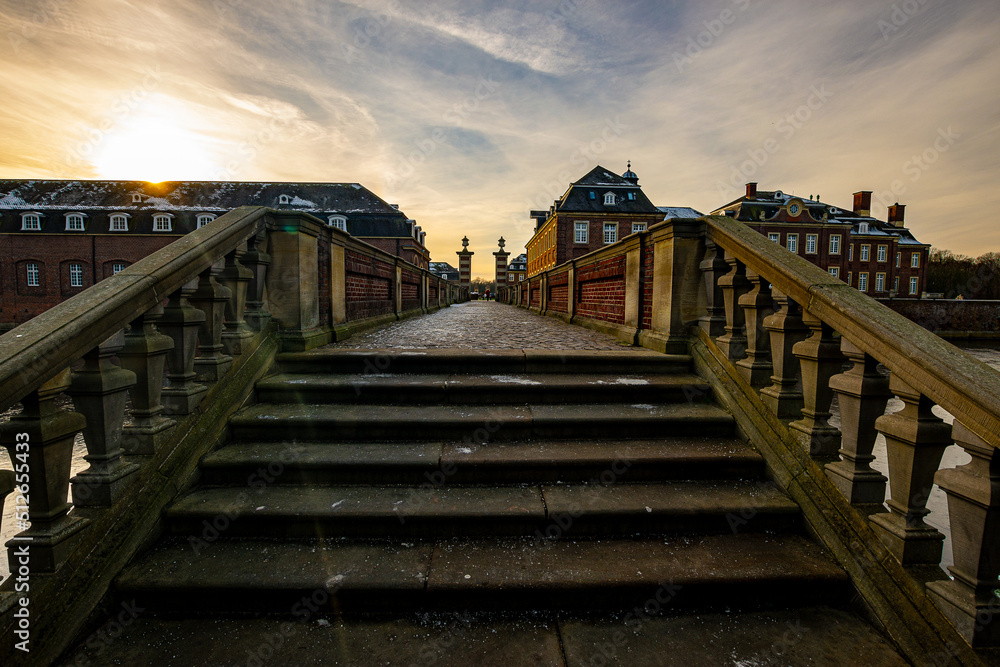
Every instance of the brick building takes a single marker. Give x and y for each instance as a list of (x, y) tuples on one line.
[(517, 269), (59, 237), (445, 270), (599, 209), (879, 258)]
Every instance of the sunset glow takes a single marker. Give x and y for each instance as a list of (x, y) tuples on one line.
[(153, 150)]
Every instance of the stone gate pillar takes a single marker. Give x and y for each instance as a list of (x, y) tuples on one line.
[(465, 264)]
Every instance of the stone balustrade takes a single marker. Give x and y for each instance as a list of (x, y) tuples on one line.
[(791, 338)]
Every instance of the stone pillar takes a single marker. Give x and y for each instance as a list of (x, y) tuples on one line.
[(820, 359), (862, 394), (501, 265), (786, 329), (915, 440), (398, 289), (973, 491), (211, 298), (465, 264), (713, 267), (758, 305), (145, 354), (256, 261), (338, 277), (733, 342), (181, 322), (99, 391), (42, 436), (633, 287), (570, 292), (677, 247), (235, 277), (292, 281)]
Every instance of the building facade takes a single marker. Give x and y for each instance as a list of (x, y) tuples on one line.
[(879, 258), (59, 237), (517, 269)]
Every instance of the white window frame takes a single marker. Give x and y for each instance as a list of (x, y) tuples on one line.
[(792, 243), (914, 284), (850, 253), (283, 199), (863, 281), (899, 255), (638, 227), (33, 274), (163, 222), (880, 282), (882, 254), (117, 218), (340, 222), (609, 198), (866, 252), (35, 220), (76, 217), (203, 219), (117, 268), (834, 271), (610, 233), (136, 199), (812, 241), (834, 244), (581, 231), (850, 277), (76, 275), (774, 237), (915, 260), (862, 228)]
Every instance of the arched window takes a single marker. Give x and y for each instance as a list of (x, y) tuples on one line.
[(119, 222), (31, 221), (74, 222), (338, 221), (204, 219), (609, 199), (162, 222), (283, 199)]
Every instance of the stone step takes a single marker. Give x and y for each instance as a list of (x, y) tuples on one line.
[(557, 510), (394, 361), (731, 572), (814, 635), (497, 389), (476, 423), (415, 463)]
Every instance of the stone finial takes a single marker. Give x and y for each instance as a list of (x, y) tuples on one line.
[(502, 243)]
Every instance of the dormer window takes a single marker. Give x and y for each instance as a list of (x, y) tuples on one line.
[(74, 222), (119, 222), (283, 199), (136, 199), (609, 199), (593, 195), (31, 221), (204, 219), (862, 228), (631, 196), (162, 222), (338, 221)]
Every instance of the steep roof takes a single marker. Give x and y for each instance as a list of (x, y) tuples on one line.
[(586, 195)]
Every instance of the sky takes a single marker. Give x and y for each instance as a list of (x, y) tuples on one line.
[(468, 114)]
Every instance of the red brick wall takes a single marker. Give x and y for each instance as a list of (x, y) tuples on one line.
[(559, 293), (601, 290), (411, 290), (369, 286), (323, 261), (647, 288)]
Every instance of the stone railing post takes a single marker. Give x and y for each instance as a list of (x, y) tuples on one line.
[(862, 394), (292, 281), (256, 261), (338, 277), (181, 322), (970, 601), (820, 359), (235, 277), (915, 440), (713, 267), (145, 354), (678, 245), (633, 287), (570, 292), (211, 298), (45, 434), (543, 295), (99, 391), (733, 342), (786, 329), (758, 305)]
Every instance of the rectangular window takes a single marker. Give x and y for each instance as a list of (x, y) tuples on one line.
[(913, 285), (811, 240), (879, 282), (610, 232), (834, 271), (592, 195), (76, 275), (895, 285), (850, 253), (774, 237), (520, 277), (638, 227), (915, 260), (835, 244), (865, 252), (850, 277), (33, 275), (792, 243), (581, 233), (863, 282), (883, 253), (898, 255), (117, 268)]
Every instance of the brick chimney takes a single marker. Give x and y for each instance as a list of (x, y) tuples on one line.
[(752, 191), (896, 212), (863, 203)]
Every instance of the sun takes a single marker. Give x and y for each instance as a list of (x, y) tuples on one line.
[(153, 149)]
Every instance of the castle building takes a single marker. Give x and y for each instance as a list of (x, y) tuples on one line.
[(880, 258), (59, 237), (517, 269)]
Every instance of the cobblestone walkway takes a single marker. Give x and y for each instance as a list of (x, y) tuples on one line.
[(483, 325)]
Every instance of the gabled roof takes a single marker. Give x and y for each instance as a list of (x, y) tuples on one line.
[(600, 181)]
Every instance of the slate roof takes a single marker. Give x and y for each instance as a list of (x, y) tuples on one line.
[(600, 181)]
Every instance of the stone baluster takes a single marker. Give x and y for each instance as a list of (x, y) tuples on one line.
[(820, 359), (713, 267), (99, 391), (235, 277), (786, 329), (181, 322), (40, 443), (862, 394), (970, 601), (211, 298), (735, 285), (757, 304), (915, 440), (145, 354), (256, 261)]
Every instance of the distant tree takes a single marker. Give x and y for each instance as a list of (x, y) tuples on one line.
[(953, 275), (481, 285)]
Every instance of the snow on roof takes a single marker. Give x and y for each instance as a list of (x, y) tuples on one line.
[(678, 212)]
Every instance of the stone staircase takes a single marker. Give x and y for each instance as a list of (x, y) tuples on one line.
[(487, 507)]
